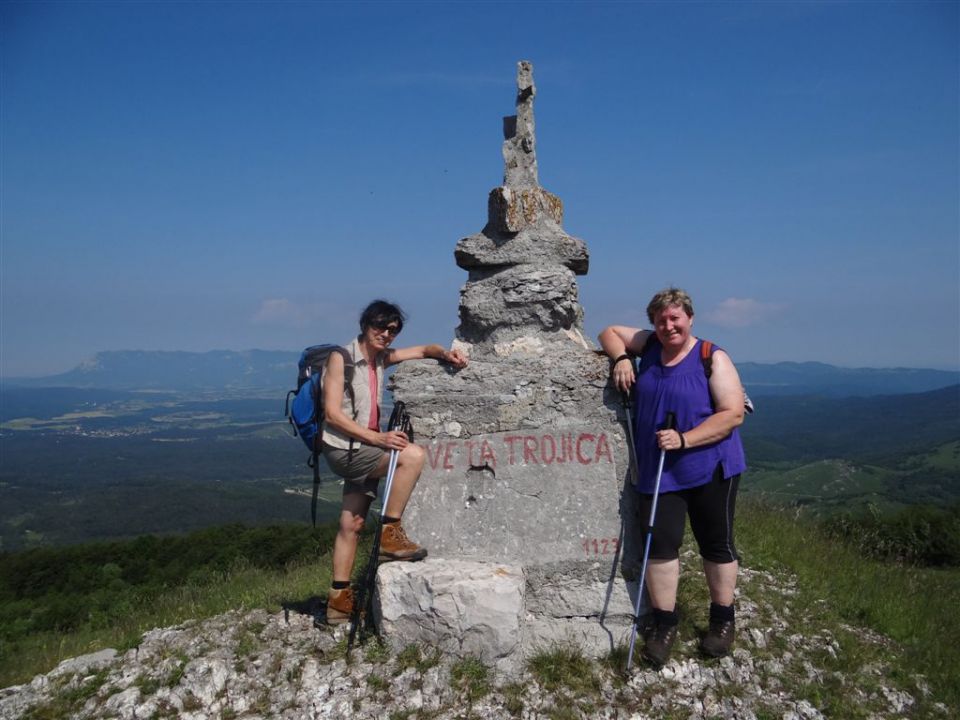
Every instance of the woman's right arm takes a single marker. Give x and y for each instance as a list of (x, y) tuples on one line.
[(620, 340), (335, 418)]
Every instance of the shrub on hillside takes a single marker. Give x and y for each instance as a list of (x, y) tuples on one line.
[(61, 589), (919, 534)]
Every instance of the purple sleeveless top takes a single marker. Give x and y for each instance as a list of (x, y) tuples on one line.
[(684, 390)]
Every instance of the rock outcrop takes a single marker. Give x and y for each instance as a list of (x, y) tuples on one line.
[(460, 607), (259, 664), (526, 454)]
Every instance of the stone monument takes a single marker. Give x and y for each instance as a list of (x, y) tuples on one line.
[(522, 501)]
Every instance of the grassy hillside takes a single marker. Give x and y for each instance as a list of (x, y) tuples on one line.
[(879, 453), (930, 477), (915, 607), (57, 603), (62, 602)]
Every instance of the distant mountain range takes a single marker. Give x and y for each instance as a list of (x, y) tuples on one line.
[(272, 370), (177, 371), (815, 378)]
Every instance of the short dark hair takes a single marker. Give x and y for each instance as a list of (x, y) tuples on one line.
[(381, 313)]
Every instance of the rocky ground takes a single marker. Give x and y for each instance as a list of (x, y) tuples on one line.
[(259, 664)]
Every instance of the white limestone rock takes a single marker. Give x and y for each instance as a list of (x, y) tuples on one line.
[(462, 607)]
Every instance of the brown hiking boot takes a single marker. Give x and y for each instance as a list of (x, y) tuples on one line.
[(395, 545), (339, 606), (716, 643), (659, 642)]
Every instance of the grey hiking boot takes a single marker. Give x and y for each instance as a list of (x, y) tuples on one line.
[(658, 643), (716, 643)]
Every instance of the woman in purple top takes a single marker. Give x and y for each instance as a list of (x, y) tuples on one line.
[(703, 463)]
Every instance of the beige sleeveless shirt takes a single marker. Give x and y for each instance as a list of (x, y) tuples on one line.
[(362, 404)]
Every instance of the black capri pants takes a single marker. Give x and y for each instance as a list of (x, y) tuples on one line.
[(710, 507)]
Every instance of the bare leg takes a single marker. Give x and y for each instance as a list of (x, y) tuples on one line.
[(356, 505), (722, 580), (663, 576), (409, 465), (352, 514)]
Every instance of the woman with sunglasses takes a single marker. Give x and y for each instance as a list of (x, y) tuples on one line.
[(356, 449)]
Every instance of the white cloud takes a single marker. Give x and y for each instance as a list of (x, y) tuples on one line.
[(280, 312), (741, 312)]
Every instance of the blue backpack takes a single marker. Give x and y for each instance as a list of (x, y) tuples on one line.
[(305, 412)]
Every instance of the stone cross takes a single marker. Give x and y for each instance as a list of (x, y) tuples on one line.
[(520, 143), (522, 265)]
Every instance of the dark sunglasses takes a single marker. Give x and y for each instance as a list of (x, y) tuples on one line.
[(391, 330)]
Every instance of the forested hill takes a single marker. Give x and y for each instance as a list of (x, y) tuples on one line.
[(864, 429), (275, 371)]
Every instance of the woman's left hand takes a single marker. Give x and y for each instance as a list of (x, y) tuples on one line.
[(455, 358), (622, 374), (669, 440)]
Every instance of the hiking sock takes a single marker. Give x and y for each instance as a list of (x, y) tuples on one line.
[(666, 618), (341, 584), (390, 520), (723, 613)]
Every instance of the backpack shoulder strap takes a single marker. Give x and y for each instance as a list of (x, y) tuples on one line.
[(707, 349), (648, 343), (348, 370), (348, 365)]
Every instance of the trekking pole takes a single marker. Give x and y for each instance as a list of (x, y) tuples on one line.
[(669, 423), (399, 420), (632, 448)]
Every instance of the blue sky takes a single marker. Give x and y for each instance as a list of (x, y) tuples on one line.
[(197, 176)]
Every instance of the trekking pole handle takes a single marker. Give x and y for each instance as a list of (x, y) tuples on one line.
[(400, 420), (396, 417), (670, 422)]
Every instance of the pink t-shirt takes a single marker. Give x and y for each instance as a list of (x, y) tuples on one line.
[(374, 422)]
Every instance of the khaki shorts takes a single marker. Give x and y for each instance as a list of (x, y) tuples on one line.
[(355, 467)]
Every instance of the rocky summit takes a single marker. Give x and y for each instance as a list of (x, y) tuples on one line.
[(261, 664)]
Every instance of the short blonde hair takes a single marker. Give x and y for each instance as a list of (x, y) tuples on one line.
[(667, 298)]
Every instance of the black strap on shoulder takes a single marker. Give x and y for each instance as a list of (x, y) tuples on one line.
[(315, 464), (648, 344), (315, 458), (286, 411)]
